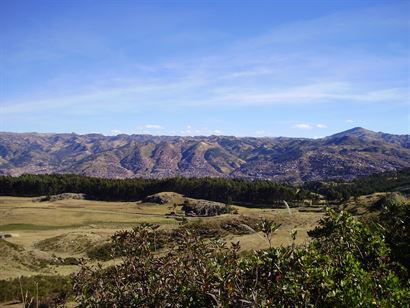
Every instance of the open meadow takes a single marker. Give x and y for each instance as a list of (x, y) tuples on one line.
[(43, 234), (44, 240)]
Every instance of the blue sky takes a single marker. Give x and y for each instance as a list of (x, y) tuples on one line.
[(245, 68)]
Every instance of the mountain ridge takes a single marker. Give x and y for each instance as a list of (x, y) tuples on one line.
[(349, 154)]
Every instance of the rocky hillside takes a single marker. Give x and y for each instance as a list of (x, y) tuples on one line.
[(348, 154)]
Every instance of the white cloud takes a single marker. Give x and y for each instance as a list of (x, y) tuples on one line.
[(307, 93), (199, 92), (115, 132), (309, 126), (186, 132), (247, 73), (189, 131), (349, 121), (150, 129), (153, 126), (302, 126), (192, 131)]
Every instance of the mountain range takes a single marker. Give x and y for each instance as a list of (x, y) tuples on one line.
[(349, 154)]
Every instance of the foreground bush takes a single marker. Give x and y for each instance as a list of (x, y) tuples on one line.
[(345, 265), (395, 220)]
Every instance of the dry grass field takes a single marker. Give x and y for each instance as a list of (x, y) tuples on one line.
[(43, 231)]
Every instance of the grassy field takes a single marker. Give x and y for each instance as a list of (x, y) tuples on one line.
[(43, 231), (48, 238)]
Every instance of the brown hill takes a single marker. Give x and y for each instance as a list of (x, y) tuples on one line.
[(348, 154)]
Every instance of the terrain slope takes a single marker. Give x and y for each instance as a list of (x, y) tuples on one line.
[(349, 154)]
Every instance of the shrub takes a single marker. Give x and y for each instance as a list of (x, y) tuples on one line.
[(101, 252), (345, 265), (395, 220), (206, 208), (125, 242)]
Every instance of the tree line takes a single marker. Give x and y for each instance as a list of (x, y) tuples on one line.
[(215, 189), (379, 182), (225, 190)]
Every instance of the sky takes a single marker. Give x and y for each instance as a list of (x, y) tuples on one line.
[(306, 68)]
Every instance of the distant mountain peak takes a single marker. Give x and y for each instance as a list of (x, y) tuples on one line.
[(352, 153), (356, 131)]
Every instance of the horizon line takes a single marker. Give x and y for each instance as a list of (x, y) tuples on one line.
[(193, 136)]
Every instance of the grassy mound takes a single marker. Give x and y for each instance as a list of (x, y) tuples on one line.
[(13, 255), (165, 198), (73, 242), (9, 249)]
